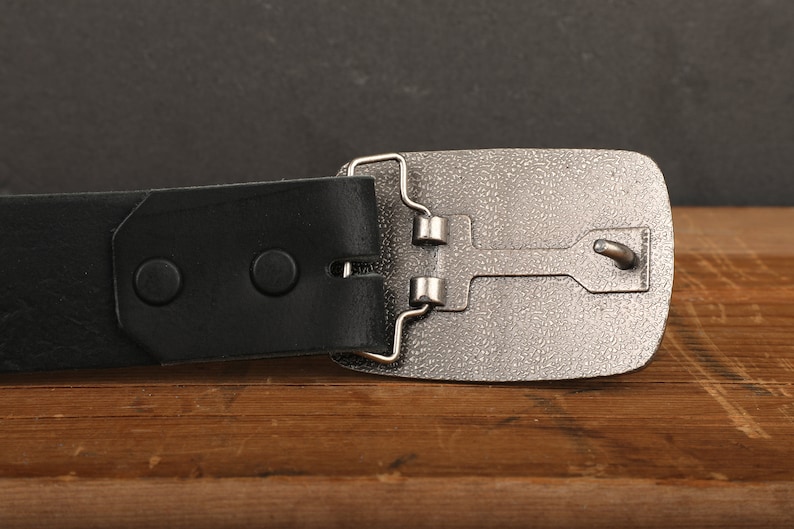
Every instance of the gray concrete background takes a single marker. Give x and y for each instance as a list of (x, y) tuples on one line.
[(121, 94)]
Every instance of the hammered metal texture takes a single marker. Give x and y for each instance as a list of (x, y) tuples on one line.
[(525, 328)]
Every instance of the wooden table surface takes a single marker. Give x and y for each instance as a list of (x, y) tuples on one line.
[(702, 437)]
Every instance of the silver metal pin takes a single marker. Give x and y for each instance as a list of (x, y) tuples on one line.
[(623, 256)]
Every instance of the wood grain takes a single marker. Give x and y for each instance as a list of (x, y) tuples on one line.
[(393, 502), (703, 436)]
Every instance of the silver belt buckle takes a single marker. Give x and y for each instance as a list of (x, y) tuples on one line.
[(519, 264)]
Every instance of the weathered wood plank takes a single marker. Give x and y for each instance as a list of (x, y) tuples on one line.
[(388, 501)]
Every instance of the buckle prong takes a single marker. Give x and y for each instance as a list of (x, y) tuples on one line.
[(624, 257)]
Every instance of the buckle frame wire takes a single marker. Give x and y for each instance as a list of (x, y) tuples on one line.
[(428, 229)]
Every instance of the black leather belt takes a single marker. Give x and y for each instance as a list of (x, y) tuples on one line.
[(512, 264)]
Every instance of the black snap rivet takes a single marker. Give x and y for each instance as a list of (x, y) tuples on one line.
[(274, 272), (158, 282)]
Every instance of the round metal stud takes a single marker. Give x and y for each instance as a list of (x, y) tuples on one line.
[(158, 282), (274, 272)]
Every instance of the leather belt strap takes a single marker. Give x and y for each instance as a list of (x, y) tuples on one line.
[(182, 275)]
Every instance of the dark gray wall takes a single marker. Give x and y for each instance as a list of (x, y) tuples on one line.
[(117, 94)]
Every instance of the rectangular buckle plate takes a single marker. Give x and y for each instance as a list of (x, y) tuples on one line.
[(533, 265)]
